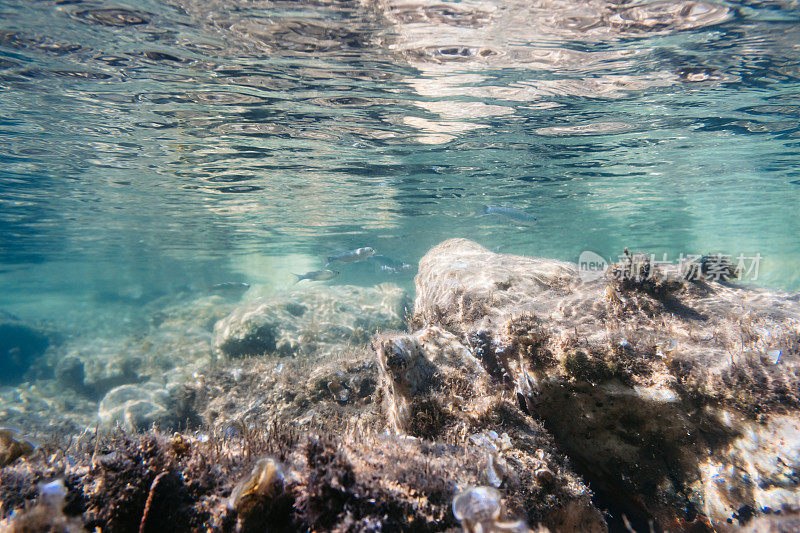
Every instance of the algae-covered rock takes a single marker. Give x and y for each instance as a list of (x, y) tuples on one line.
[(454, 430), (176, 341), (46, 515), (166, 352), (677, 400), (309, 320), (762, 458), (787, 521), (431, 380), (436, 389)]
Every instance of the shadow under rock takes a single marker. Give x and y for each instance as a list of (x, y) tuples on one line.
[(635, 453)]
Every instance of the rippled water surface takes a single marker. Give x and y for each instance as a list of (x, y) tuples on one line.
[(177, 144)]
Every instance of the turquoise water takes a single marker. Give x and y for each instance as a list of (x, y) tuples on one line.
[(181, 144)]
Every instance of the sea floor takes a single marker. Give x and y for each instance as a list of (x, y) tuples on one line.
[(515, 395)]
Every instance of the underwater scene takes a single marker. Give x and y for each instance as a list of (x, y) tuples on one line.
[(400, 265)]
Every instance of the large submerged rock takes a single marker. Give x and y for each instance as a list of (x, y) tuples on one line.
[(677, 400)]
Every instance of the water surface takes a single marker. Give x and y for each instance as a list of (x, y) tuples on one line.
[(180, 144)]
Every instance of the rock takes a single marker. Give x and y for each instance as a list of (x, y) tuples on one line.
[(177, 341), (460, 281), (479, 509), (309, 320), (69, 373), (659, 400), (202, 312), (20, 346), (764, 455), (108, 364), (165, 353), (136, 407), (788, 521), (430, 380), (46, 408), (678, 401), (46, 515), (435, 389)]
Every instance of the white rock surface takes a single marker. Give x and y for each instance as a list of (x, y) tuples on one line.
[(135, 407)]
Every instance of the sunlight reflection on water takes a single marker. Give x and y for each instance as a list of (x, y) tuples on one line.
[(173, 142)]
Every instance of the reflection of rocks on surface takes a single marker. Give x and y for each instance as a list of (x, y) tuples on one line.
[(458, 46), (667, 397), (308, 321)]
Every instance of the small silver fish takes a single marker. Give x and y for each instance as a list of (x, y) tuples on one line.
[(317, 275), (510, 213), (395, 269), (230, 286), (351, 256), (388, 264)]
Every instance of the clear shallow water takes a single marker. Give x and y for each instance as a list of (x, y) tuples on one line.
[(181, 144)]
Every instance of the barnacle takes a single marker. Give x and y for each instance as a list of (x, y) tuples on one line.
[(478, 509), (264, 482), (12, 447), (544, 476)]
